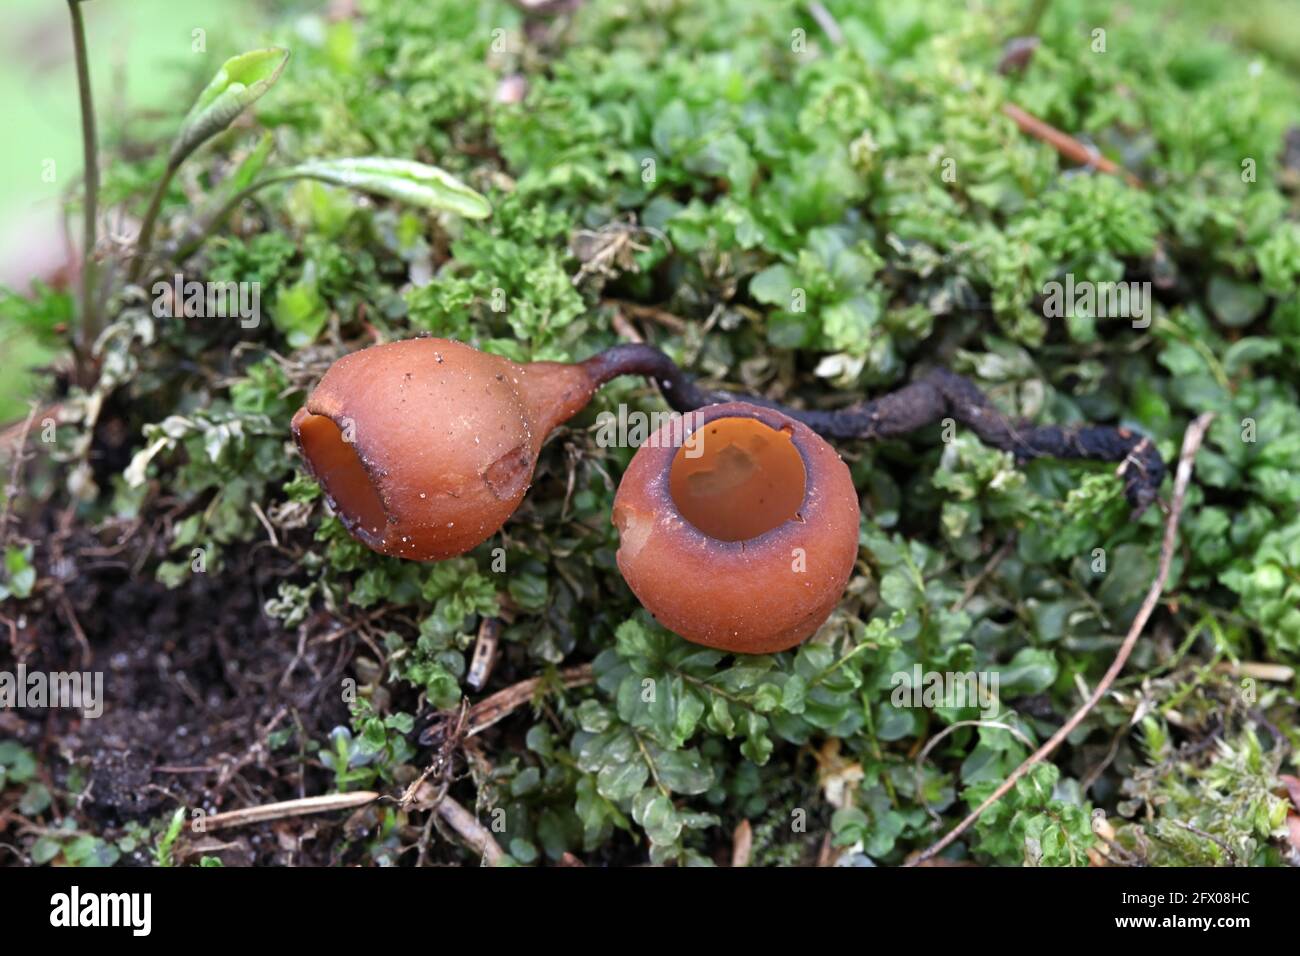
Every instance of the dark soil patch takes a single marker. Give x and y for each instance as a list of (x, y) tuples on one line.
[(194, 681)]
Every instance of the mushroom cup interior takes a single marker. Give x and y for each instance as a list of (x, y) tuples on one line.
[(737, 478), (343, 476)]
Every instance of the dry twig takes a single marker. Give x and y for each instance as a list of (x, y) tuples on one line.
[(742, 843), (485, 653), (639, 310), (470, 830), (15, 472), (289, 808), (827, 22), (500, 705), (1191, 443), (975, 583), (1065, 144)]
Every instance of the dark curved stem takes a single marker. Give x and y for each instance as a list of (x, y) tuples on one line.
[(936, 395), (678, 389)]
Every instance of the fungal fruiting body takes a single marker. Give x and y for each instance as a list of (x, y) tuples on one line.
[(738, 528), (740, 536), (425, 447)]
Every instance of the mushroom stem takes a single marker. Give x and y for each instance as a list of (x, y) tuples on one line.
[(935, 395)]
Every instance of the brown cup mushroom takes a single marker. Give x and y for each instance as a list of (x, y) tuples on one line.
[(425, 447), (738, 528)]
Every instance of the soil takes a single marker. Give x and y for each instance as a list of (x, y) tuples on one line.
[(194, 680)]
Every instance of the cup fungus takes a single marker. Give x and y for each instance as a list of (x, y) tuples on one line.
[(739, 535), (738, 528), (425, 447)]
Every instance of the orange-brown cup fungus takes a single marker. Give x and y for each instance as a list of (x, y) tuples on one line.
[(425, 447), (738, 528)]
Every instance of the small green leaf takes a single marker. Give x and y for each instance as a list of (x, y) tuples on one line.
[(239, 83), (167, 842), (773, 285), (849, 824), (20, 764), (1235, 303), (619, 782), (402, 180), (1031, 671), (35, 799), (300, 313), (656, 813), (794, 694), (682, 771), (1250, 349), (45, 849), (89, 850), (19, 575)]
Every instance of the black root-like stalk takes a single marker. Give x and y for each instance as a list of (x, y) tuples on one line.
[(936, 395)]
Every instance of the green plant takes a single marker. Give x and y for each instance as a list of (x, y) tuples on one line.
[(163, 849), (779, 223), (239, 83)]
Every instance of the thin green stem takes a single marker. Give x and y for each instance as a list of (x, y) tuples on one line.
[(89, 141), (877, 752), (206, 229), (1035, 18), (145, 242), (649, 762)]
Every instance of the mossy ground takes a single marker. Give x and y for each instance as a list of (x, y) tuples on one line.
[(803, 210)]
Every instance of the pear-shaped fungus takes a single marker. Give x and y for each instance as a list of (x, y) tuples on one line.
[(425, 447), (738, 528)]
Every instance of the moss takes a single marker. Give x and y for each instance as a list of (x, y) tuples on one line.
[(814, 222)]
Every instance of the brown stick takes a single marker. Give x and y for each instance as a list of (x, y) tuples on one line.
[(15, 472), (639, 310), (1191, 443), (1280, 673), (13, 436), (289, 808), (1066, 145), (485, 653), (742, 843), (489, 710), (470, 830), (827, 22), (985, 573), (621, 324)]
